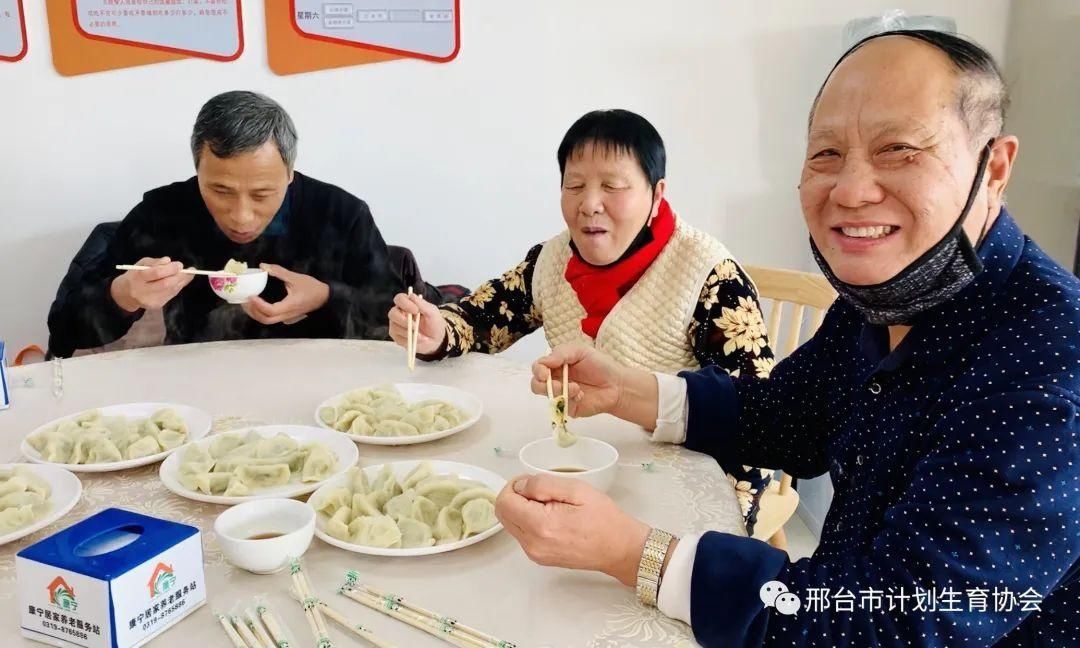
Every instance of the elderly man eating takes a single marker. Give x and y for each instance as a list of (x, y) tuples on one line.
[(941, 395)]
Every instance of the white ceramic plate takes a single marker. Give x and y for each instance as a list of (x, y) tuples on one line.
[(198, 425), (414, 392), (66, 491), (401, 469), (344, 449)]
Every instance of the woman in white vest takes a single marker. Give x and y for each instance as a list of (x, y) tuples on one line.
[(627, 276)]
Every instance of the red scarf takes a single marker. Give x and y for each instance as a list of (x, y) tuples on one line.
[(599, 289)]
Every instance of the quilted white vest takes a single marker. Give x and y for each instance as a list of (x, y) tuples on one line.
[(649, 327)]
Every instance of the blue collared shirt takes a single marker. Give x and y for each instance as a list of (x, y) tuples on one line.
[(955, 460)]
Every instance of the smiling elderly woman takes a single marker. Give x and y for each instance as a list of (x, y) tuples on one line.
[(941, 394), (628, 276)]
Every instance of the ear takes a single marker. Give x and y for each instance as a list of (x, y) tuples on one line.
[(290, 176), (999, 168), (658, 195)]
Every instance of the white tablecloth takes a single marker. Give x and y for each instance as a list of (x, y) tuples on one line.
[(492, 585)]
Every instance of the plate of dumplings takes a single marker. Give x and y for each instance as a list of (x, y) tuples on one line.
[(408, 508), (400, 414), (117, 437), (34, 496), (265, 461)]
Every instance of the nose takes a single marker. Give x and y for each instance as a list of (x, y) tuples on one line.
[(856, 184), (592, 201)]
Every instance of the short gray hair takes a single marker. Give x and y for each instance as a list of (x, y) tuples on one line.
[(982, 97), (240, 121)]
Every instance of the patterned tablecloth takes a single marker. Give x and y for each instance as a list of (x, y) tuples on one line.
[(491, 585)]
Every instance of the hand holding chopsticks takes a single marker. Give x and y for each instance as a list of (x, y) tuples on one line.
[(187, 271), (413, 333)]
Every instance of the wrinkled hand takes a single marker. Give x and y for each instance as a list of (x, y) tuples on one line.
[(595, 379), (432, 324), (151, 288), (303, 294), (563, 522)]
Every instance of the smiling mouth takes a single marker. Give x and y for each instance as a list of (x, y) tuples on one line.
[(867, 233)]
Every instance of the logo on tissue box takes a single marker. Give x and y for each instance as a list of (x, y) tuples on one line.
[(62, 595), (162, 580)]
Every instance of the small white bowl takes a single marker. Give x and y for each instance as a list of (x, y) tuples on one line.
[(238, 530), (239, 289), (596, 461)]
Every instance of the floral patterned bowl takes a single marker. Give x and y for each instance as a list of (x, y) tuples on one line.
[(239, 289)]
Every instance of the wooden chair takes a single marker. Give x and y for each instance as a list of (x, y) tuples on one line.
[(809, 295)]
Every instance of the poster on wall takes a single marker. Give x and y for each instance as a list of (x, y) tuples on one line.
[(309, 35), (97, 35), (12, 31)]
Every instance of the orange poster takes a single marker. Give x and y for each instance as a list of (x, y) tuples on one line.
[(309, 35), (97, 35), (12, 31)]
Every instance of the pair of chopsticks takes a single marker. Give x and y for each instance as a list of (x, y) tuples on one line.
[(249, 633), (190, 271), (315, 609), (565, 388), (412, 335), (445, 628)]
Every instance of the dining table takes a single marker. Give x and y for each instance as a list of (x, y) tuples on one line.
[(491, 585)]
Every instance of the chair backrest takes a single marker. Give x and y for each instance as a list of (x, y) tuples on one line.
[(805, 292)]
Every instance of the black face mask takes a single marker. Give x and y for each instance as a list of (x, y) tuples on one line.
[(931, 280)]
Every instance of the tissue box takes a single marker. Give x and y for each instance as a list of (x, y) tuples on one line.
[(5, 395), (114, 580)]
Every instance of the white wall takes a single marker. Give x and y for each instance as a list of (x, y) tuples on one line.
[(464, 150), (1041, 67)]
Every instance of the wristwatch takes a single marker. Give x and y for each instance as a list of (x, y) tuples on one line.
[(652, 560)]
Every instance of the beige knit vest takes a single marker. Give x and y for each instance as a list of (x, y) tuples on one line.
[(649, 326)]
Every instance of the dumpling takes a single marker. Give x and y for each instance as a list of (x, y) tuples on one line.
[(400, 505), (171, 439), (365, 504), (422, 471), (88, 416), (266, 476), (393, 428), (477, 516), (424, 510), (441, 492), (34, 484), (169, 419), (421, 418), (334, 499), (104, 451), (448, 526), (379, 532), (57, 449), (276, 446), (21, 499), (149, 428), (213, 483), (223, 444), (12, 484), (361, 427), (237, 487), (328, 415), (358, 480), (16, 518), (414, 533), (80, 452), (144, 447), (195, 460), (466, 496), (345, 421), (339, 528), (319, 465)]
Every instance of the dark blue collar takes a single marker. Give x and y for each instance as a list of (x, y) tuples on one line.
[(280, 225)]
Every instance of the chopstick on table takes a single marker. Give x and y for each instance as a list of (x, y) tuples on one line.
[(412, 334), (339, 618), (419, 622), (464, 630), (190, 271)]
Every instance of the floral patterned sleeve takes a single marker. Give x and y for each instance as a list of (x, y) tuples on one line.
[(499, 313), (728, 329)]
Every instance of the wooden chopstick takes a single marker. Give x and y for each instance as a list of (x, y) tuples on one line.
[(190, 271), (237, 642), (309, 603), (412, 336), (339, 618), (458, 627), (419, 622)]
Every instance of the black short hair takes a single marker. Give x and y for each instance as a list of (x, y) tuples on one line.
[(982, 97), (620, 131), (240, 121)]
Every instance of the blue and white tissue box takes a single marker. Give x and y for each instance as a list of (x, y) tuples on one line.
[(5, 393), (115, 580)]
